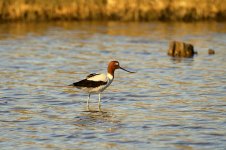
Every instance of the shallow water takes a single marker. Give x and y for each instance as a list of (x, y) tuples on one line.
[(168, 104)]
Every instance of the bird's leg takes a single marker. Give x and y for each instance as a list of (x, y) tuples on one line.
[(88, 102), (99, 105)]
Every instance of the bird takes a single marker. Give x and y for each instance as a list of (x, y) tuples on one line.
[(96, 83)]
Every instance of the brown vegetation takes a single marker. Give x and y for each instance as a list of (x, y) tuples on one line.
[(125, 10)]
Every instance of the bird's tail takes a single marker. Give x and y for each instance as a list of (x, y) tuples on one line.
[(71, 84)]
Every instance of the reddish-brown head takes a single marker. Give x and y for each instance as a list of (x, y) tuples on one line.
[(115, 65)]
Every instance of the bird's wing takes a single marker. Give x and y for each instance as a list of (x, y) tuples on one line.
[(91, 81), (91, 75), (98, 77)]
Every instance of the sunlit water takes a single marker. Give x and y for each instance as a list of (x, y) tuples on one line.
[(168, 104)]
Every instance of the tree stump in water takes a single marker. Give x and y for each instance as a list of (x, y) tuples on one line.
[(211, 52), (181, 49)]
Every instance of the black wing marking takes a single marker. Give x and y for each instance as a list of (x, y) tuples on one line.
[(88, 83), (91, 75)]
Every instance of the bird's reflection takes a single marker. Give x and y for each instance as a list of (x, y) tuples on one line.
[(95, 118)]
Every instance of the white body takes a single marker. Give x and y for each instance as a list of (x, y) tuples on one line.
[(100, 77)]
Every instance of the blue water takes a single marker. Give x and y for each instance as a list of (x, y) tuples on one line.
[(170, 103)]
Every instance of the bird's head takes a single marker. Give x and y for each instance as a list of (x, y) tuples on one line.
[(113, 65)]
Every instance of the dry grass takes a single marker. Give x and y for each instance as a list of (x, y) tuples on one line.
[(126, 10), (51, 9)]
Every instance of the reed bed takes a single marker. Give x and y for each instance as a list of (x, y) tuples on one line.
[(123, 10)]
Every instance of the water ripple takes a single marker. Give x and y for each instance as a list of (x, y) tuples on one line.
[(170, 103)]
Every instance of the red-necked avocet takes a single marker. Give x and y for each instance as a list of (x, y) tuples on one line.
[(97, 83)]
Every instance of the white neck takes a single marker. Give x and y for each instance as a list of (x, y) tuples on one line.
[(110, 77)]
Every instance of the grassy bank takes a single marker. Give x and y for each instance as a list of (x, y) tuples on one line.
[(123, 10)]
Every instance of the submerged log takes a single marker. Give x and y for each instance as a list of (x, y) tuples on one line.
[(181, 49)]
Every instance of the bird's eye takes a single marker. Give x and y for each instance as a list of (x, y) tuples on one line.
[(116, 64)]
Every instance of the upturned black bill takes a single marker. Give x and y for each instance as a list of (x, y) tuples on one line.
[(127, 70)]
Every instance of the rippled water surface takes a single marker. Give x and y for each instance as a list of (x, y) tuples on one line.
[(168, 104)]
